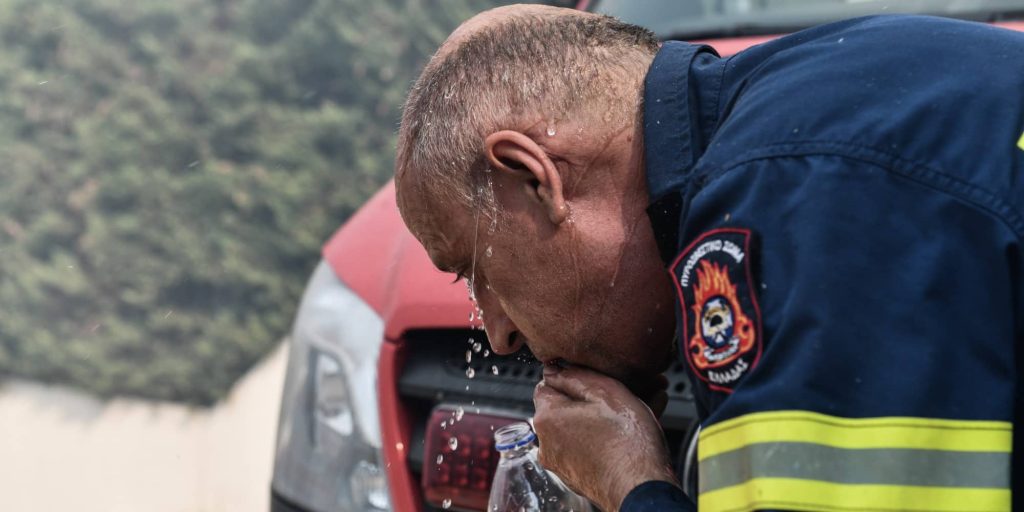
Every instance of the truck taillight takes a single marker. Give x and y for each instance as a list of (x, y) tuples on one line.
[(459, 457)]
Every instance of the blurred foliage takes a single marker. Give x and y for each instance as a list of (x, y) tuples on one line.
[(169, 170)]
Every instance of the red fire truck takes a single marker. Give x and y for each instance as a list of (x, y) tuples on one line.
[(391, 395)]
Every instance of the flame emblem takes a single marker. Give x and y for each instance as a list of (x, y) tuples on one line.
[(722, 332)]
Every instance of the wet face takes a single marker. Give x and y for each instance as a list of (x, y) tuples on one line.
[(573, 271)]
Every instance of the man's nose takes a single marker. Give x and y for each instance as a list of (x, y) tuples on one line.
[(502, 333), (504, 336)]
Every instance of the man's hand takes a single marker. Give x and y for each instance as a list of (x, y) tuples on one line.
[(597, 436)]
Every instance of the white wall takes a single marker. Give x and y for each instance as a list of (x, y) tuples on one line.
[(61, 450)]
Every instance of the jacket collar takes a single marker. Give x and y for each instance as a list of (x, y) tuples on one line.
[(681, 95), (680, 112)]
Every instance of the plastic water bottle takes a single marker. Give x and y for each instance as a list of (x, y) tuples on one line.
[(521, 484)]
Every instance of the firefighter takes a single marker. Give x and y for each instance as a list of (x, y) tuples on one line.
[(840, 215)]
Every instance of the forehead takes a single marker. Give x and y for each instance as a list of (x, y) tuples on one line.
[(443, 227)]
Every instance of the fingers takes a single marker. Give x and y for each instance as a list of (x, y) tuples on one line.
[(548, 396), (545, 461), (579, 383), (547, 401), (550, 406)]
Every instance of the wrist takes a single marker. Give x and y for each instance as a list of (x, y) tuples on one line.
[(634, 480)]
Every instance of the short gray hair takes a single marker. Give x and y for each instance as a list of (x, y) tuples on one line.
[(524, 64)]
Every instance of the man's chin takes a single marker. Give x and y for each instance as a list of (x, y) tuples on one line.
[(647, 386)]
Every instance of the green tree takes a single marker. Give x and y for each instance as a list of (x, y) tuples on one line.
[(169, 170)]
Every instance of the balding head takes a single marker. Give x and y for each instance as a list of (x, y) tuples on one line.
[(511, 68), (520, 167)]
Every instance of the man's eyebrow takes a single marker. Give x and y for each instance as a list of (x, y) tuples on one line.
[(442, 262), (439, 251)]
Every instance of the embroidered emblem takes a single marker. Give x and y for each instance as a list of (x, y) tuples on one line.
[(721, 320)]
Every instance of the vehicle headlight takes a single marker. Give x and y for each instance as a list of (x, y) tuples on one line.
[(328, 438)]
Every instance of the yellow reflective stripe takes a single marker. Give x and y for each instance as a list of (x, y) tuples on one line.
[(887, 432), (1020, 143), (794, 494)]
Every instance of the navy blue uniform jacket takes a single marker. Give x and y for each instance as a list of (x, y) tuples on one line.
[(841, 212)]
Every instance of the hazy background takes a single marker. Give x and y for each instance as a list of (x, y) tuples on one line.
[(169, 170), (168, 173)]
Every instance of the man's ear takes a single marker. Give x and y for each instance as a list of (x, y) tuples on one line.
[(519, 157)]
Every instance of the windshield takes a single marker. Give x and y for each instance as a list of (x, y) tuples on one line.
[(720, 18)]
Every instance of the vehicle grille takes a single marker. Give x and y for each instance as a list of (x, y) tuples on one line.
[(435, 372)]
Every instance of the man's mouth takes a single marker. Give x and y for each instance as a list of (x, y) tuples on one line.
[(556, 362)]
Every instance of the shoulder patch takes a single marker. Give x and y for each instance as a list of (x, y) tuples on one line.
[(721, 332)]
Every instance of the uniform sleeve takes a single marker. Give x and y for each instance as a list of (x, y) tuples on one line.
[(850, 327), (657, 496)]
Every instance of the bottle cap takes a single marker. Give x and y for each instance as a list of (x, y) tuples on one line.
[(513, 436)]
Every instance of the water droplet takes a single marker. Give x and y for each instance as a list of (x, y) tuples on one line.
[(551, 131), (440, 459), (728, 216), (476, 347), (487, 353), (529, 466), (489, 252), (796, 130), (469, 356), (447, 503), (494, 369), (841, 39), (459, 413), (444, 424), (472, 316), (470, 372), (453, 443)]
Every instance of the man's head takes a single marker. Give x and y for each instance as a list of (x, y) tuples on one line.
[(520, 167)]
